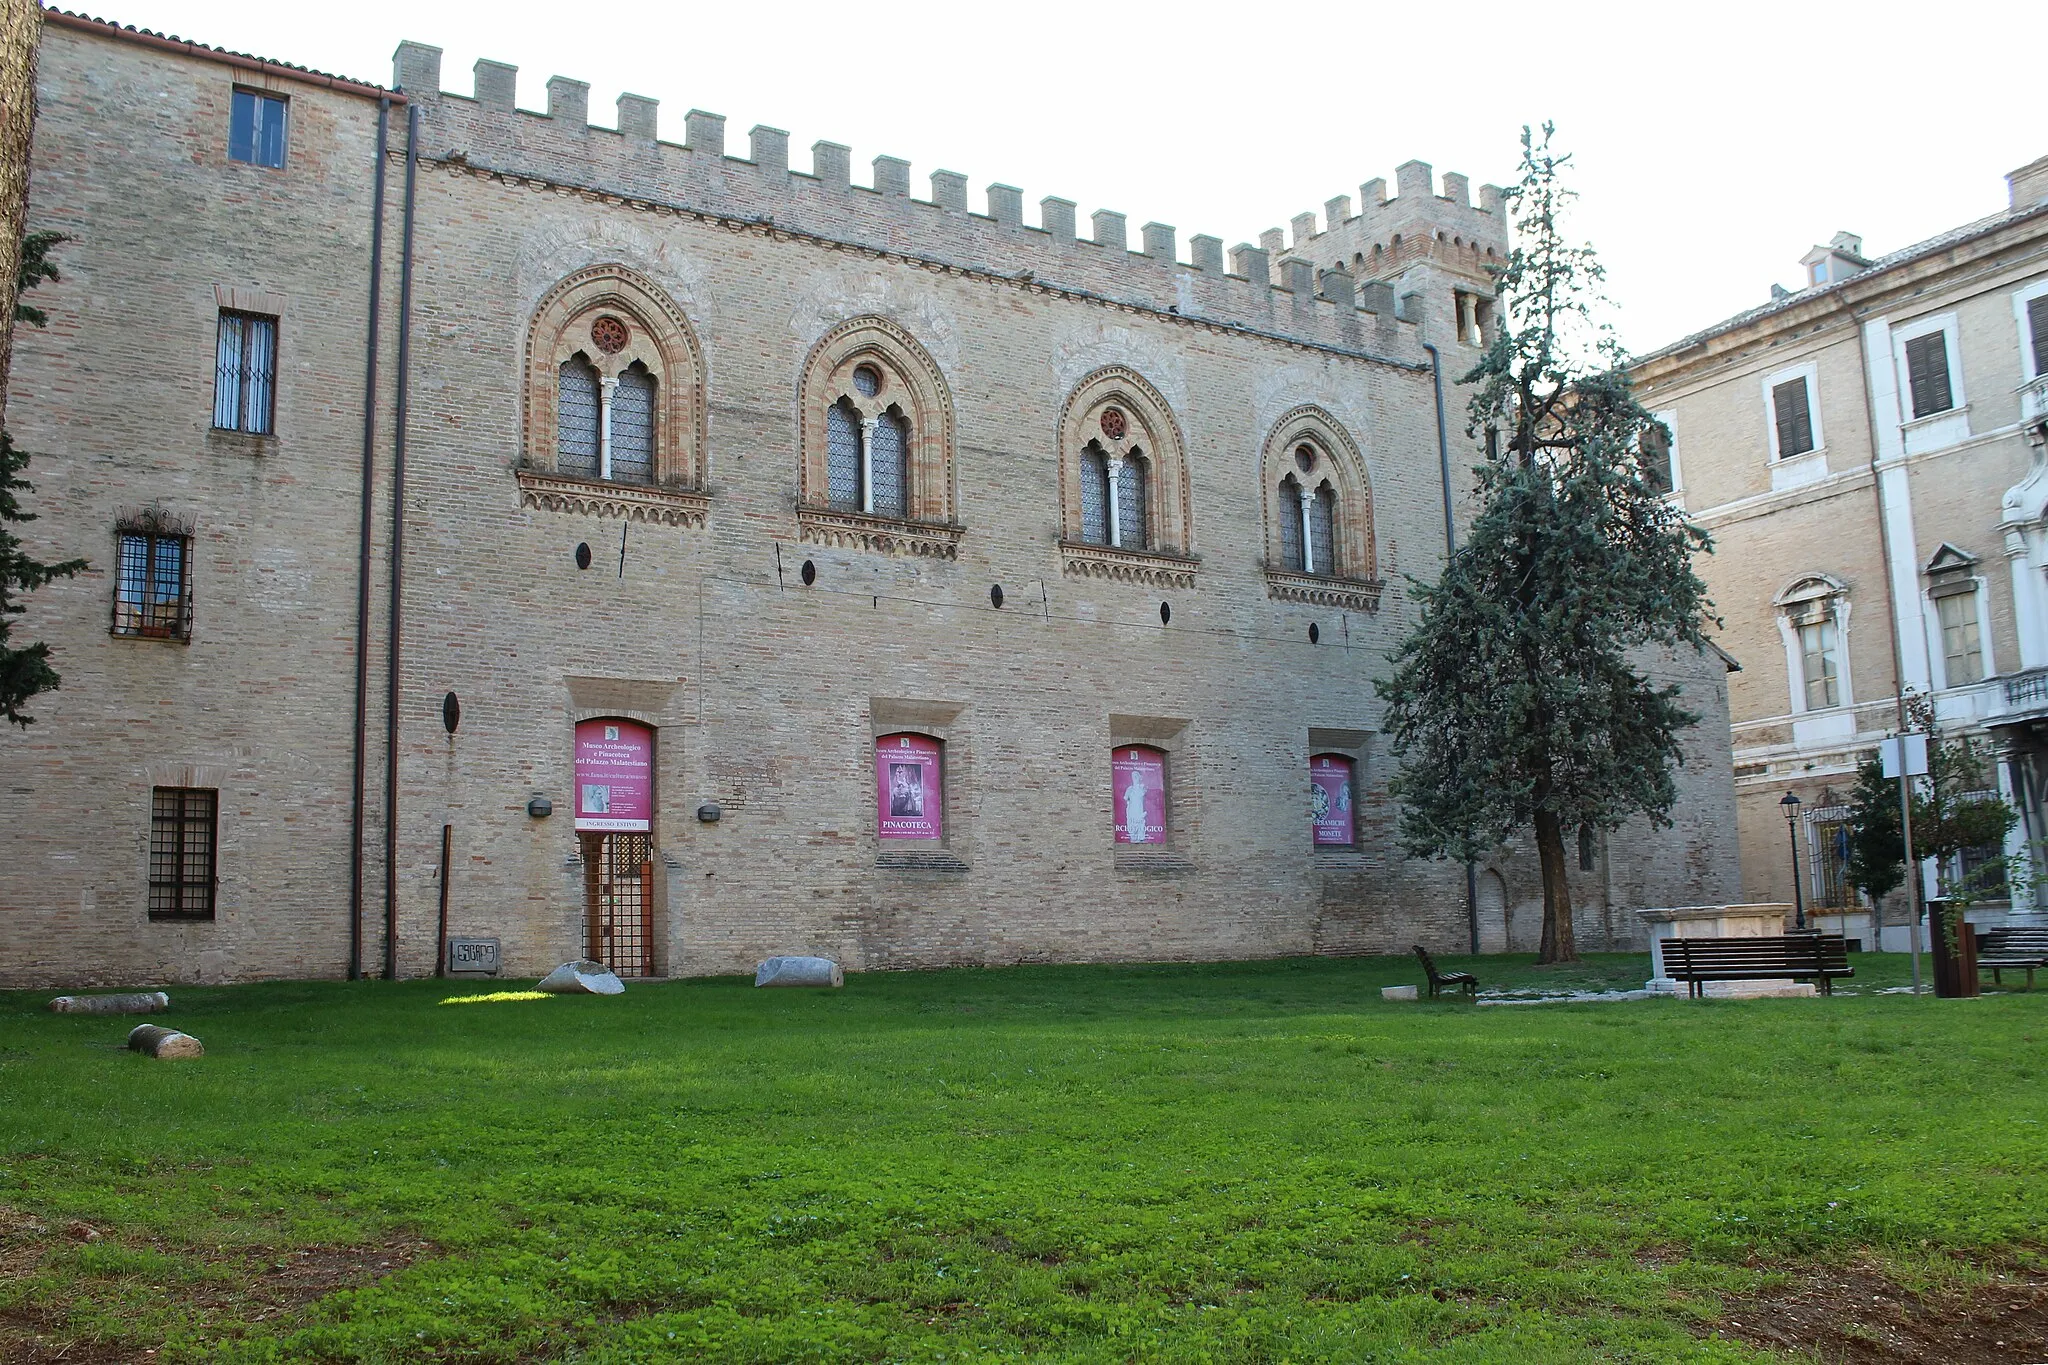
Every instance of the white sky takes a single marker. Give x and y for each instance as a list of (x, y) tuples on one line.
[(1713, 149)]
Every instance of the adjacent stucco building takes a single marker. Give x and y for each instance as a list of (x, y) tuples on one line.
[(1867, 451)]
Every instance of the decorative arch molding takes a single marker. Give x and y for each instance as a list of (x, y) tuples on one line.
[(836, 297), (614, 319), (1811, 599), (1145, 434), (872, 368), (1309, 435), (554, 253), (1086, 350)]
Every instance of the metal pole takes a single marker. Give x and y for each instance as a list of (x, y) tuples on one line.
[(441, 934), (1912, 868), (1798, 898)]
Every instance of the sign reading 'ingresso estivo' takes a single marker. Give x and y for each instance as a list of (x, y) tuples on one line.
[(614, 775)]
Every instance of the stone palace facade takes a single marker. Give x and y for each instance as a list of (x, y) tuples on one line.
[(617, 545)]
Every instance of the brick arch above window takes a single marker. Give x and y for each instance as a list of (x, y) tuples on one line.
[(871, 398), (1345, 572), (1115, 416), (626, 329)]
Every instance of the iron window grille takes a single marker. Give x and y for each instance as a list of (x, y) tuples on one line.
[(576, 415), (153, 577), (633, 426), (1827, 844), (256, 129), (1094, 495), (842, 456), (245, 373), (1322, 520), (184, 831), (1133, 523), (1290, 526)]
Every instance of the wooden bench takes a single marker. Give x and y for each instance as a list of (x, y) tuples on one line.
[(2012, 950), (1818, 957), (1438, 980)]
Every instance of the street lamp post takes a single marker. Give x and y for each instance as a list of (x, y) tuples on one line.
[(1790, 805)]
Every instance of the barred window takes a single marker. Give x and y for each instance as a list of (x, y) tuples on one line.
[(152, 586), (1322, 525), (842, 456), (891, 478), (1289, 517), (576, 410), (184, 826), (1132, 515), (256, 129), (1094, 495), (245, 373), (633, 426)]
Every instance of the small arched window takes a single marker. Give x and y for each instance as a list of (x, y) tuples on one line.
[(1322, 523), (889, 446), (1094, 495), (1132, 487), (576, 406), (1290, 526), (842, 456), (633, 422)]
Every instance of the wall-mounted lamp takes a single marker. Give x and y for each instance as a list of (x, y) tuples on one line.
[(710, 813), (540, 808)]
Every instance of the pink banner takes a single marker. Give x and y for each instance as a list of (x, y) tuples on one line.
[(908, 801), (1329, 796), (614, 775), (1138, 792)]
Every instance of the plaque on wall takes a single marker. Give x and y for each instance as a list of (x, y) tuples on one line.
[(472, 957)]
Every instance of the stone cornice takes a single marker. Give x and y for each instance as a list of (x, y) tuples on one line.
[(884, 535), (596, 498), (1346, 594), (1080, 560)]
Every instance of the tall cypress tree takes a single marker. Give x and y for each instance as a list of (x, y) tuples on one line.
[(26, 670), (1517, 700)]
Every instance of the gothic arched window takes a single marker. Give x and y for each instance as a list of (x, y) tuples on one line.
[(614, 384), (1322, 524), (877, 442), (1123, 482), (1291, 556), (1318, 513)]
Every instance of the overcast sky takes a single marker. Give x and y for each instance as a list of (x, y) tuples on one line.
[(1711, 150)]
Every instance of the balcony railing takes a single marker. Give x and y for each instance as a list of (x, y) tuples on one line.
[(2030, 686), (2034, 401)]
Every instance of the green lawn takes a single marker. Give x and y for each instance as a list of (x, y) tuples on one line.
[(1240, 1162)]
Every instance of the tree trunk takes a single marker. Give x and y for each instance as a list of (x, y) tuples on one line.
[(21, 24), (1557, 943)]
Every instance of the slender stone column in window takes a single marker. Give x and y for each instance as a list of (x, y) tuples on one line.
[(608, 385), (1308, 534), (1115, 464), (867, 464)]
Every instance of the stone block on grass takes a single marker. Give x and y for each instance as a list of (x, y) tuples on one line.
[(582, 977), (798, 971), (134, 1002), (1400, 993), (164, 1044)]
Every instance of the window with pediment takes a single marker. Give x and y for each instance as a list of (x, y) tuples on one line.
[(876, 464), (1813, 621), (614, 402), (1123, 483), (1320, 543)]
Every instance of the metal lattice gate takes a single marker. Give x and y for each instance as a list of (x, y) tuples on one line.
[(619, 901)]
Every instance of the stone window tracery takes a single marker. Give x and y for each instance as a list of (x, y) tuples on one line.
[(1320, 543), (614, 402), (1123, 483), (876, 462)]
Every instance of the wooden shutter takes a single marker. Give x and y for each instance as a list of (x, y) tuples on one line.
[(1927, 374), (1794, 418), (2037, 325)]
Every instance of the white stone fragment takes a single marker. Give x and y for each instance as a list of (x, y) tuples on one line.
[(1400, 993), (136, 1002), (798, 971), (582, 977)]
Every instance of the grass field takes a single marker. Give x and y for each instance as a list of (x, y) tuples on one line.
[(1243, 1162)]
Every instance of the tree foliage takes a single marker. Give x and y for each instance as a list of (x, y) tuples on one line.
[(1955, 807), (1516, 701), (24, 670)]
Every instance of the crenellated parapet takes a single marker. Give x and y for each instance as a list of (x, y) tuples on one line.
[(1254, 288), (1388, 235)]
